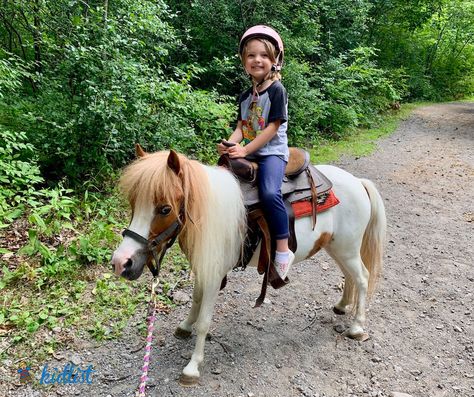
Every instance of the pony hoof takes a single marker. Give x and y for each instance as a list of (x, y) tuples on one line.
[(182, 333), (361, 337), (339, 312), (188, 381)]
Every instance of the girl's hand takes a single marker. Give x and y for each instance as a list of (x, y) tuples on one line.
[(221, 149), (237, 151)]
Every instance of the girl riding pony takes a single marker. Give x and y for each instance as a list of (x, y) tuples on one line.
[(260, 134)]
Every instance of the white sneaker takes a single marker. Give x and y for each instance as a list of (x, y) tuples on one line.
[(283, 268)]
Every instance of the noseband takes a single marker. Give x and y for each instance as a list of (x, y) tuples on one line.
[(170, 234)]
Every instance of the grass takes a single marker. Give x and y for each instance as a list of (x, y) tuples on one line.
[(362, 141)]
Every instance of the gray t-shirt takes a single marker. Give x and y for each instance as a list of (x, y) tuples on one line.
[(255, 114)]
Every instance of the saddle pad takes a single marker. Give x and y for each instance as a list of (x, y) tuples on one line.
[(304, 208)]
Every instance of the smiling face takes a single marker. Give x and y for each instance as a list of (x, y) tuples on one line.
[(258, 59)]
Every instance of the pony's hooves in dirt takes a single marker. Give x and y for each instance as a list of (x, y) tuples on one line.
[(182, 333), (338, 311), (361, 337), (188, 381)]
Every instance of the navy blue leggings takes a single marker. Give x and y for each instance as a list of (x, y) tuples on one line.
[(271, 170)]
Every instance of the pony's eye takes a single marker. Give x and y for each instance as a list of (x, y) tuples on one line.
[(164, 210)]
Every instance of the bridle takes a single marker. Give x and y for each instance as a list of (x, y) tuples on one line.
[(149, 246)]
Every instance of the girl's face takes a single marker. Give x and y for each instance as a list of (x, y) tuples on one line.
[(257, 61)]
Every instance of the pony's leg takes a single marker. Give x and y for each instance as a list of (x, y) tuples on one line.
[(190, 375), (356, 285), (184, 329), (346, 299)]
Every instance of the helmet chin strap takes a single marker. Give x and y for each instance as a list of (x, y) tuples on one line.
[(260, 83)]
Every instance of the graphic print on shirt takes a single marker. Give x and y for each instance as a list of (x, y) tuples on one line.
[(254, 123), (257, 111)]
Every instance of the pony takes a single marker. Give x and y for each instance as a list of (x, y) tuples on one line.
[(172, 196)]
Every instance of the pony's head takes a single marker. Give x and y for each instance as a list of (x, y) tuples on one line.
[(165, 191)]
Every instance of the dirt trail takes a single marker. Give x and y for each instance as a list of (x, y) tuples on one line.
[(420, 319)]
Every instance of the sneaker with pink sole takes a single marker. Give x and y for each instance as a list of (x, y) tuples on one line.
[(283, 268)]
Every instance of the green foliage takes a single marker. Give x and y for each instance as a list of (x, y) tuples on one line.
[(432, 40), (19, 173), (12, 71), (344, 24), (53, 285), (344, 93), (105, 83)]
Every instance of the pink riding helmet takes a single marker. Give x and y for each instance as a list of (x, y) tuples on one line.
[(268, 33)]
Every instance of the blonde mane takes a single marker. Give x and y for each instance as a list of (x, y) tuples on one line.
[(200, 190)]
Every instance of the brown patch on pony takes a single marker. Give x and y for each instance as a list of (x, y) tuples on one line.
[(173, 162), (323, 240), (160, 223), (139, 151)]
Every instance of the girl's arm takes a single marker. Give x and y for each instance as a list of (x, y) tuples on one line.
[(265, 136), (236, 137)]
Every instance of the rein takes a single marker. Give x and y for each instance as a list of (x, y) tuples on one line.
[(151, 323)]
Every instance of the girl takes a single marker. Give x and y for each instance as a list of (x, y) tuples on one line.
[(261, 127)]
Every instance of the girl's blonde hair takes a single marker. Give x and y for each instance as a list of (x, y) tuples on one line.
[(272, 53)]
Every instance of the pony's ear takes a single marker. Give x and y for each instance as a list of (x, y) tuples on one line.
[(139, 151), (173, 162)]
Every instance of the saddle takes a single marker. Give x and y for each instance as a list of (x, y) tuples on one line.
[(302, 182)]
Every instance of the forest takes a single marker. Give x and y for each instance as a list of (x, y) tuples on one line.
[(81, 81)]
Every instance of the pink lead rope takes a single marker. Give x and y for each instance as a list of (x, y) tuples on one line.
[(151, 322)]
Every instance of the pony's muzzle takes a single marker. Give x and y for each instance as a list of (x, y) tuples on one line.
[(129, 266), (121, 262), (127, 269)]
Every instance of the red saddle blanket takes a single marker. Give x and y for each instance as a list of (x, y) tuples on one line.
[(304, 208)]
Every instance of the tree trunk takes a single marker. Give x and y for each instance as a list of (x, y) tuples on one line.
[(106, 12), (37, 37)]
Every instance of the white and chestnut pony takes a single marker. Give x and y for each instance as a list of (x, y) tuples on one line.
[(172, 196)]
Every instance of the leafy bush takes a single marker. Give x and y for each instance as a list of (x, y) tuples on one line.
[(12, 71), (19, 172), (356, 90), (110, 86), (305, 103)]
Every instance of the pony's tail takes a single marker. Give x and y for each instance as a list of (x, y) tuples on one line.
[(374, 240)]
